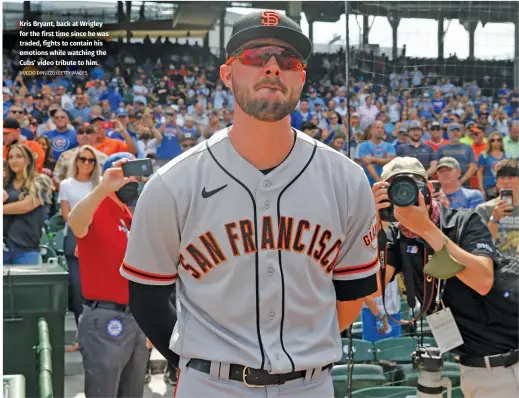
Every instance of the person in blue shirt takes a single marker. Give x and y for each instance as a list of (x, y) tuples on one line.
[(376, 152), (314, 100), (112, 96), (301, 115), (487, 163), (168, 146), (403, 136), (122, 116), (449, 173), (62, 139), (417, 149), (464, 154)]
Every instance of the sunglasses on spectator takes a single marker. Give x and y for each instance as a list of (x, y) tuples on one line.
[(188, 146), (86, 160), (59, 117), (496, 140), (260, 56), (86, 131), (169, 114), (436, 128), (14, 111)]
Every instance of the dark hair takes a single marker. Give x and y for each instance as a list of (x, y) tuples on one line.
[(308, 126), (507, 168)]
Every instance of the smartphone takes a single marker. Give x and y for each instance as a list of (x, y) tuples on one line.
[(436, 186), (507, 195), (107, 125), (138, 168)]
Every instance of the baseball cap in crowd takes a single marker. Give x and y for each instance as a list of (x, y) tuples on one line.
[(268, 25), (97, 118), (10, 125), (187, 136), (436, 124), (6, 90), (454, 126), (189, 118), (415, 124), (355, 114), (402, 128), (403, 165), (110, 160), (121, 112), (449, 162)]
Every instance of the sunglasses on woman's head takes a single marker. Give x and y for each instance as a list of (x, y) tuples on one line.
[(259, 56), (86, 160)]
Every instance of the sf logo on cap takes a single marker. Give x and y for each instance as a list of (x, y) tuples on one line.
[(270, 18)]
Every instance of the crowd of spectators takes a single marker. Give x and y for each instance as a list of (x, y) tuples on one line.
[(157, 99)]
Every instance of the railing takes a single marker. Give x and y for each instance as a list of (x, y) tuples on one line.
[(44, 351)]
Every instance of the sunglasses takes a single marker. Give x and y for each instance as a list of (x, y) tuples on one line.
[(86, 160), (20, 112), (436, 128), (85, 132), (496, 140), (259, 56), (188, 146), (59, 117)]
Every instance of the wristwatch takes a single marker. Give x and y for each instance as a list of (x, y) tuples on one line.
[(492, 219)]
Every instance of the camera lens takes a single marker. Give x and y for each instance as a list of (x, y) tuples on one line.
[(403, 193)]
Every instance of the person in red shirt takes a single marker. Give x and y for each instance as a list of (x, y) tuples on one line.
[(437, 139), (112, 344)]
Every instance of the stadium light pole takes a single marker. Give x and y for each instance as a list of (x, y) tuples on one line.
[(346, 74)]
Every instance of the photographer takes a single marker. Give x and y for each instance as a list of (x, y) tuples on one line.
[(448, 260)]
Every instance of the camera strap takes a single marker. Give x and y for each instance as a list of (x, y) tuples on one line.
[(428, 288)]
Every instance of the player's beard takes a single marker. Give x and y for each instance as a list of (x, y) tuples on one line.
[(263, 109)]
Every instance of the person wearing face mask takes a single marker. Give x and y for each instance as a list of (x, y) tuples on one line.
[(112, 345)]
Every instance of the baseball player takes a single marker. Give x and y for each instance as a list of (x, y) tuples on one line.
[(268, 235)]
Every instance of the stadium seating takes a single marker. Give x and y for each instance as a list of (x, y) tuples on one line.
[(356, 330), (56, 223), (58, 241), (385, 392), (399, 350), (362, 351), (363, 376), (47, 253)]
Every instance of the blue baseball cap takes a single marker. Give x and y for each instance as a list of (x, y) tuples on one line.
[(110, 160), (121, 112), (454, 126)]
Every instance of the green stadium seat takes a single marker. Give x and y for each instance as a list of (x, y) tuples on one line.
[(47, 253), (362, 351), (429, 342), (363, 376), (396, 349), (356, 330), (57, 242), (44, 240), (385, 392), (450, 370), (56, 223)]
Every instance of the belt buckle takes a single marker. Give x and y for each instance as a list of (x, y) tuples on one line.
[(244, 379)]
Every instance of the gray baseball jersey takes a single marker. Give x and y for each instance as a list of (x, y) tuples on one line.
[(255, 256)]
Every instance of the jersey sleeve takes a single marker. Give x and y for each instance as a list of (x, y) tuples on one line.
[(358, 257), (152, 254)]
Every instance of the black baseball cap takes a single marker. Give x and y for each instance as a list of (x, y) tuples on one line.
[(268, 25), (10, 124), (97, 118)]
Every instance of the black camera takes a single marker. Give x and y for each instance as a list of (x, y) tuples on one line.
[(403, 191)]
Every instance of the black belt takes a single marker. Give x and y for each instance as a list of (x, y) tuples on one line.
[(506, 360), (107, 305), (251, 377)]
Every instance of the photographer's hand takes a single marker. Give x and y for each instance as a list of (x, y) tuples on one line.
[(379, 190), (414, 218)]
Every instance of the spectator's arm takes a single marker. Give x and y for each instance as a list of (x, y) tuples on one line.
[(371, 169), (132, 148), (433, 166), (157, 133), (480, 179), (81, 215), (23, 206), (470, 172), (64, 206)]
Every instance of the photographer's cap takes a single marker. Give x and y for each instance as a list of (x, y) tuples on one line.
[(268, 25), (403, 165), (449, 162)]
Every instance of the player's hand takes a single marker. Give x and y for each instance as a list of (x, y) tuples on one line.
[(414, 218), (501, 210), (114, 179)]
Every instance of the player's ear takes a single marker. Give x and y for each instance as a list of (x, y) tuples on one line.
[(226, 75), (303, 77)]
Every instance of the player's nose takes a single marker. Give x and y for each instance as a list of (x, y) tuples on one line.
[(272, 67)]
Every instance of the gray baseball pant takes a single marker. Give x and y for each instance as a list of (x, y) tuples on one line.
[(193, 383), (115, 366), (498, 382)]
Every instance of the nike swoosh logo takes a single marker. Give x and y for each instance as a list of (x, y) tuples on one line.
[(208, 194)]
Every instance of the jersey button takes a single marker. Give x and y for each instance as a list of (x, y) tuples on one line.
[(272, 315), (266, 184), (270, 271)]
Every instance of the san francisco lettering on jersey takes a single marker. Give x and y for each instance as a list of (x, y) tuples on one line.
[(201, 256)]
